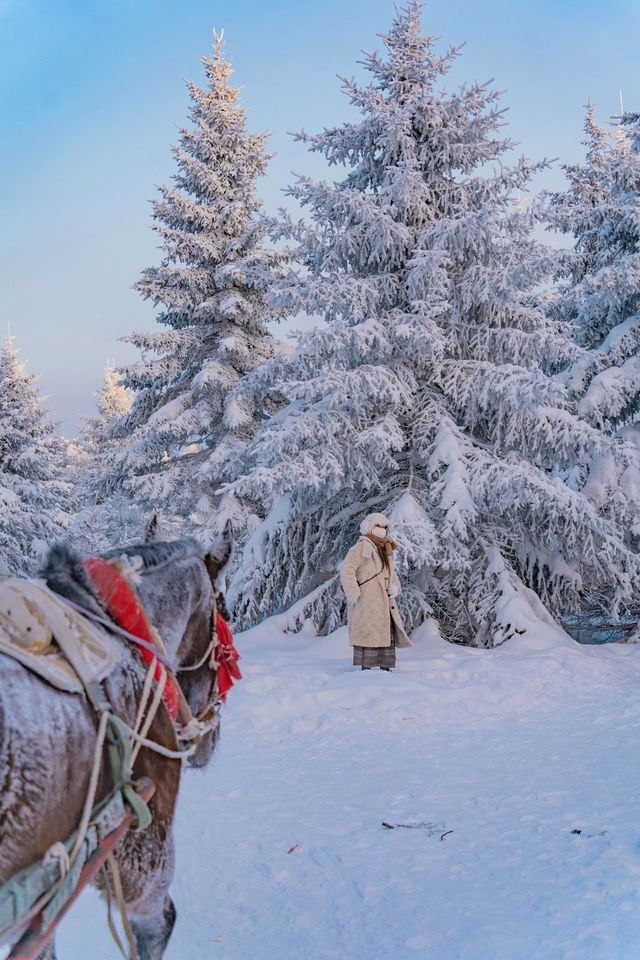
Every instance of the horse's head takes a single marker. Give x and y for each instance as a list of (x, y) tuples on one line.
[(195, 673)]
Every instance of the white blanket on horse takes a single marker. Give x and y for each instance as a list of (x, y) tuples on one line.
[(49, 637)]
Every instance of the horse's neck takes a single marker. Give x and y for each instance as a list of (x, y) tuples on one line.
[(171, 595)]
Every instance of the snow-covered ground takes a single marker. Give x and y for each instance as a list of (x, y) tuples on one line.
[(517, 768)]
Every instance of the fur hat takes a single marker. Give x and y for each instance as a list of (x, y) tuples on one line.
[(373, 520)]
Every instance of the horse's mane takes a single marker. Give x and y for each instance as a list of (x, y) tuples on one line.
[(65, 574), (156, 554)]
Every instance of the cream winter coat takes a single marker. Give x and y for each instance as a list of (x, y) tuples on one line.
[(365, 580)]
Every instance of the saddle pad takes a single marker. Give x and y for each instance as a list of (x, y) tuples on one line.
[(40, 631)]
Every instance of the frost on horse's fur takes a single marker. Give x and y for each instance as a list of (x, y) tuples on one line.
[(47, 737)]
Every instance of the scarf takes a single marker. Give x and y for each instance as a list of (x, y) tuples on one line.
[(385, 547)]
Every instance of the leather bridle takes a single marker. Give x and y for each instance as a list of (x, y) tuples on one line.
[(209, 717)]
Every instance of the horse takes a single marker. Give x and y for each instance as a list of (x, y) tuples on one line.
[(48, 737)]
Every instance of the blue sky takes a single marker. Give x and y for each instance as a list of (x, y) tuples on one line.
[(92, 93)]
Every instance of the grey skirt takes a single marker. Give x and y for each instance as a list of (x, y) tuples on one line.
[(368, 657)]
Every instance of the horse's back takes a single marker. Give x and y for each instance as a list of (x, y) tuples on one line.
[(47, 740)]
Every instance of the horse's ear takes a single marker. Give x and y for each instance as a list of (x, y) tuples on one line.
[(151, 533), (218, 556)]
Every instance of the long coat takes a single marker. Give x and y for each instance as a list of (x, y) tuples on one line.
[(365, 580)]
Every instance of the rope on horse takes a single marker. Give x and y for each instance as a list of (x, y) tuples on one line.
[(203, 659), (122, 908), (143, 724), (138, 738), (93, 786), (116, 628), (52, 853)]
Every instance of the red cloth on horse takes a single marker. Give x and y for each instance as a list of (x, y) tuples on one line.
[(226, 658), (123, 606)]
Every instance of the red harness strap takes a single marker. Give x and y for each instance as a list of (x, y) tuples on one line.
[(125, 609), (226, 658)]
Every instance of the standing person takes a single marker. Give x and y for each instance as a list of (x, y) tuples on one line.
[(371, 584)]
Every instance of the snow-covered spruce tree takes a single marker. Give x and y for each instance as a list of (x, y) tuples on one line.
[(599, 288), (187, 419), (427, 395), (35, 499), (107, 516), (599, 294)]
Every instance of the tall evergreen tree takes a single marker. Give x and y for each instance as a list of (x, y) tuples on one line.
[(599, 295), (427, 394), (107, 516), (34, 497), (599, 292), (187, 419)]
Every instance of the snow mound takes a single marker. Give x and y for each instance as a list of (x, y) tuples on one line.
[(318, 689)]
